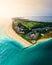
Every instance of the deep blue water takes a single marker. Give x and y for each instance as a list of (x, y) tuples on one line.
[(40, 18), (13, 53)]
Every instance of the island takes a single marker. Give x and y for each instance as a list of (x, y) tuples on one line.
[(32, 31)]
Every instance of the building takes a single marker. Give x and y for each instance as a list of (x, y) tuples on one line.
[(32, 35)]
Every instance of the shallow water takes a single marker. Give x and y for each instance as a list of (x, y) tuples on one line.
[(8, 50), (13, 53)]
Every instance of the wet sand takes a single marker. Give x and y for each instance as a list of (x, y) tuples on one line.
[(6, 28), (11, 33)]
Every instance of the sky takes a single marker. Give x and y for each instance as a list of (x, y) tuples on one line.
[(20, 8)]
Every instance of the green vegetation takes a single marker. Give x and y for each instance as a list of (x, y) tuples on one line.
[(29, 25), (24, 36), (33, 24), (24, 27)]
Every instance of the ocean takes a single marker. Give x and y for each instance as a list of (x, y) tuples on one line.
[(40, 18), (13, 53)]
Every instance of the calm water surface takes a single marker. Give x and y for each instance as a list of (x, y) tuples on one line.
[(40, 18), (13, 53)]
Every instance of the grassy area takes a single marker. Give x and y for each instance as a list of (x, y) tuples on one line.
[(33, 24), (29, 25), (24, 36)]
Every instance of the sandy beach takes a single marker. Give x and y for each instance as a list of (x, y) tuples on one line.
[(11, 33), (6, 28)]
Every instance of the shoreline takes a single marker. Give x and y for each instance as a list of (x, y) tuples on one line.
[(40, 40), (12, 34)]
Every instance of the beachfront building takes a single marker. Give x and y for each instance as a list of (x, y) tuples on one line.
[(41, 29), (19, 30), (32, 35)]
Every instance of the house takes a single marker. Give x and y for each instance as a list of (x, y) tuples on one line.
[(32, 35), (40, 29), (19, 30)]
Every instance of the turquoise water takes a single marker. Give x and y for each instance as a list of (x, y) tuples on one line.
[(13, 53)]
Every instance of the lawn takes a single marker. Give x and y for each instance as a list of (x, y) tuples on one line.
[(33, 24), (29, 25)]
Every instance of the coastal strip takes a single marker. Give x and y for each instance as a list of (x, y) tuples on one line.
[(11, 33)]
